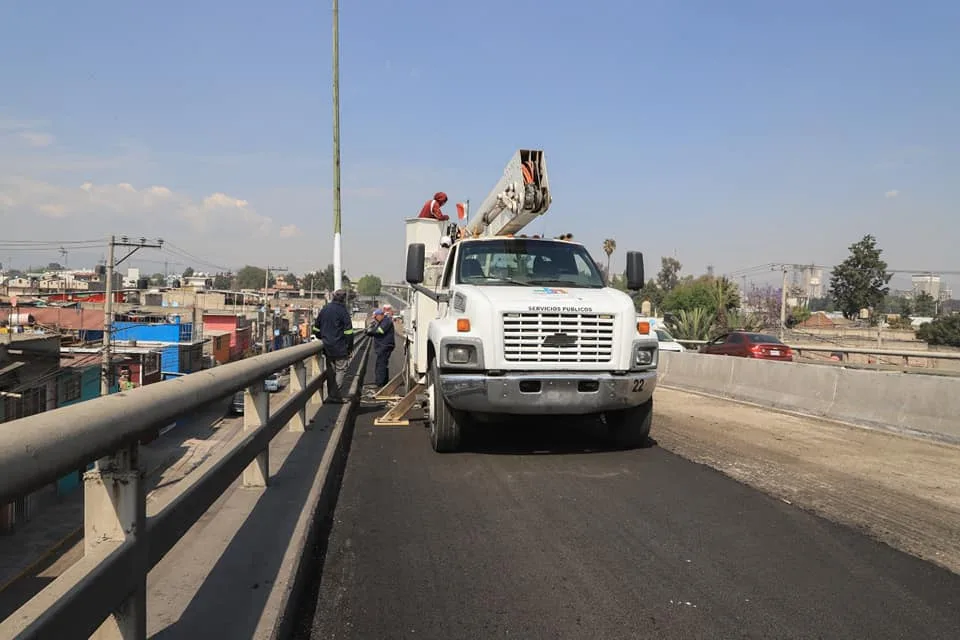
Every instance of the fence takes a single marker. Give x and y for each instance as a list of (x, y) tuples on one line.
[(844, 353), (923, 405), (105, 592)]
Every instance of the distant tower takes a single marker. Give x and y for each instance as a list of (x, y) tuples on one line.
[(710, 270)]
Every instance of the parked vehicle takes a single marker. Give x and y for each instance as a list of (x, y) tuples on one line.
[(667, 342), (272, 383), (745, 344), (236, 404)]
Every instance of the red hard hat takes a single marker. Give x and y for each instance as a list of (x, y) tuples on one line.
[(440, 196)]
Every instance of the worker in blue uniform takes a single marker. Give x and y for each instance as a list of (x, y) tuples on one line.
[(334, 327), (384, 341)]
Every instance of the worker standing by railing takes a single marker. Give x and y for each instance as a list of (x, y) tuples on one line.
[(334, 327)]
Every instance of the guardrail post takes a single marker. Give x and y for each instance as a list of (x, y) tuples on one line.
[(298, 383), (317, 369), (114, 510), (256, 412)]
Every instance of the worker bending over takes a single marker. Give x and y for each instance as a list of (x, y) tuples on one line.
[(381, 329), (431, 209)]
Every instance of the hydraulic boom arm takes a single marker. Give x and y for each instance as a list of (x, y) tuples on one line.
[(522, 195)]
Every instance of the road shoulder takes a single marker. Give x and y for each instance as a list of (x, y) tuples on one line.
[(901, 490)]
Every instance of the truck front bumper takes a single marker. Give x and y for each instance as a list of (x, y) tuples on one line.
[(544, 393)]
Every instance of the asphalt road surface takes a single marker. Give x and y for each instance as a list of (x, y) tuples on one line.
[(533, 535)]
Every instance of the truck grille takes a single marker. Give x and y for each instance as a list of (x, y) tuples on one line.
[(557, 337)]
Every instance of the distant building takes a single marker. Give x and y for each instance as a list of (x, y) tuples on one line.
[(927, 283)]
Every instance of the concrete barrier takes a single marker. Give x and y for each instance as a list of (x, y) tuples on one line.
[(926, 405)]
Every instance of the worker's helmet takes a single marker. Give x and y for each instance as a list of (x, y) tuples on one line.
[(440, 197), (445, 241)]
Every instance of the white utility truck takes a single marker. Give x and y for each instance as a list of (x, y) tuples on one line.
[(515, 325)]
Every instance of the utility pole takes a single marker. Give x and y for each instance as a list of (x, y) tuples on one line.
[(337, 266), (783, 303), (267, 313), (107, 374)]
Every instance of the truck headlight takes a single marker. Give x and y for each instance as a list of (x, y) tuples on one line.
[(460, 354), (644, 357)]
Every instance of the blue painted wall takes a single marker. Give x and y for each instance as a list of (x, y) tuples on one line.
[(89, 389), (89, 384), (173, 333)]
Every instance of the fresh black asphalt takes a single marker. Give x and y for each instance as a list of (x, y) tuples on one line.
[(540, 533)]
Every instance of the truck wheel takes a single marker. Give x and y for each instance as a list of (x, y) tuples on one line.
[(445, 422), (630, 428)]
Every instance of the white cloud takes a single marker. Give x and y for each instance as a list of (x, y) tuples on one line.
[(37, 138), (123, 203), (289, 231), (893, 193)]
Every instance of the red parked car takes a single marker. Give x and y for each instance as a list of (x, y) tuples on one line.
[(745, 344)]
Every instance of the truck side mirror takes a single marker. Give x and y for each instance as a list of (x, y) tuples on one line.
[(415, 259), (635, 280)]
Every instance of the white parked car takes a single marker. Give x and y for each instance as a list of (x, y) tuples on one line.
[(668, 342)]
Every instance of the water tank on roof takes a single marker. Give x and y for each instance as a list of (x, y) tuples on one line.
[(101, 270), (21, 319), (143, 284)]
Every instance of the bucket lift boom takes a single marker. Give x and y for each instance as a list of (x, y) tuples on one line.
[(521, 196)]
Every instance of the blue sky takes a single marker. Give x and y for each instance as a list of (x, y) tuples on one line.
[(728, 133)]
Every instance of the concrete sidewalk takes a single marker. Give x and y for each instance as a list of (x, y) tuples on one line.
[(232, 574)]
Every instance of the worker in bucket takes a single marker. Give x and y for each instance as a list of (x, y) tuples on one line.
[(381, 330), (440, 255), (431, 209), (335, 328)]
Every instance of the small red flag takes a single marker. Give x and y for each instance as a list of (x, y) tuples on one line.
[(461, 210)]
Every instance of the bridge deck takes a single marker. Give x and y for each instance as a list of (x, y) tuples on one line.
[(534, 535)]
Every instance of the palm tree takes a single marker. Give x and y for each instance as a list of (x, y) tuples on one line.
[(609, 246), (692, 324), (725, 297)]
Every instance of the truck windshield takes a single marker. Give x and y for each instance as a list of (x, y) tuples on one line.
[(525, 262)]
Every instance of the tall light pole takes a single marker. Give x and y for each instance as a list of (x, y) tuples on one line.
[(337, 267)]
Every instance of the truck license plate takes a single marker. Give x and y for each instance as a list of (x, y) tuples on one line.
[(774, 352)]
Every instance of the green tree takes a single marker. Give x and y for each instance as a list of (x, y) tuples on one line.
[(860, 281), (942, 331), (726, 296), (669, 275), (158, 278), (223, 281), (369, 285), (326, 281), (651, 293), (706, 292), (924, 305), (188, 272), (251, 277), (311, 282), (291, 279)]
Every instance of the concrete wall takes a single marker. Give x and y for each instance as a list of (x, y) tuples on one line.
[(901, 401)]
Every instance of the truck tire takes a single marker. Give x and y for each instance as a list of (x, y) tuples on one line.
[(630, 428), (445, 423)]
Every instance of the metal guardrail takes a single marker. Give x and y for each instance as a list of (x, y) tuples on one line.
[(105, 591), (895, 353)]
